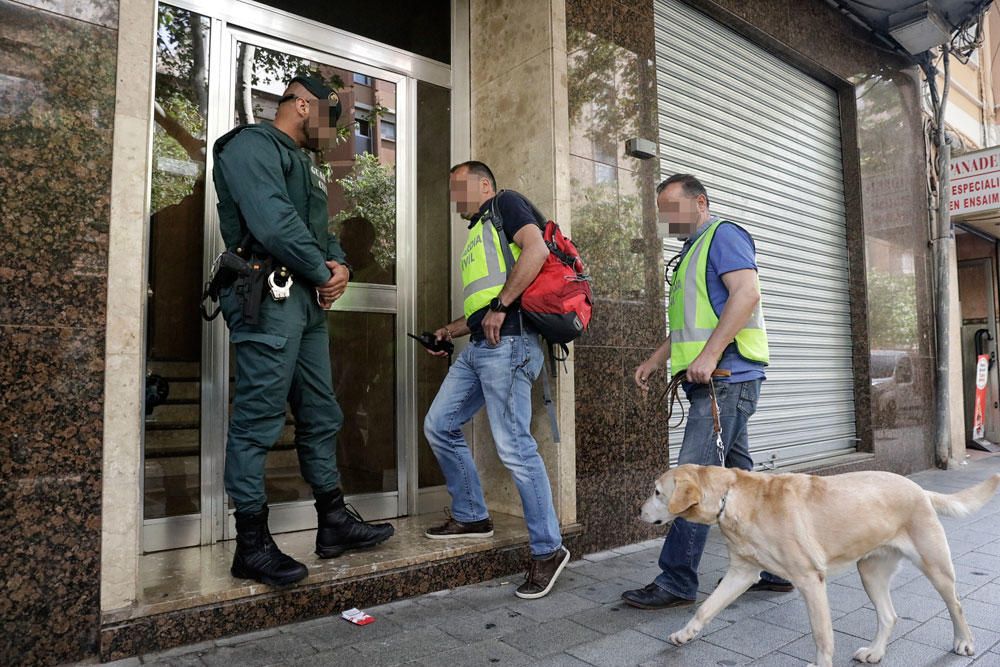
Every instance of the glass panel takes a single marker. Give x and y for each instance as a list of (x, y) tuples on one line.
[(363, 356), (173, 326), (361, 166), (433, 253), (362, 207)]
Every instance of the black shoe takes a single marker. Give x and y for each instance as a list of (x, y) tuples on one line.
[(453, 528), (653, 597), (342, 529), (542, 575), (765, 585), (775, 586), (258, 557)]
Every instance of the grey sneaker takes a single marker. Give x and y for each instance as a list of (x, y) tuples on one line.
[(452, 528), (542, 575)]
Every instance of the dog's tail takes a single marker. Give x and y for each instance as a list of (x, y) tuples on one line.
[(965, 502)]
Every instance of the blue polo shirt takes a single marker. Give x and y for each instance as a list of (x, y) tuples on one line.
[(732, 249)]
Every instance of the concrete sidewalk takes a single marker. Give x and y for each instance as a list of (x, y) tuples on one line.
[(584, 622)]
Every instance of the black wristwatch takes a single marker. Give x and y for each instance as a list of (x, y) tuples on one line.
[(496, 305)]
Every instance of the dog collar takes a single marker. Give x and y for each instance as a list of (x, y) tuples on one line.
[(722, 506)]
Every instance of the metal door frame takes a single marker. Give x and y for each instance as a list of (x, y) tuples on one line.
[(241, 20)]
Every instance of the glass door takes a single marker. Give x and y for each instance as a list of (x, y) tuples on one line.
[(388, 204), (173, 419)]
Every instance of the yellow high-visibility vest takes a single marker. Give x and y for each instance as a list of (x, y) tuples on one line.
[(692, 318), (484, 269)]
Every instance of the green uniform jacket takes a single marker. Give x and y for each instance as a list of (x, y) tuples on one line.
[(267, 183)]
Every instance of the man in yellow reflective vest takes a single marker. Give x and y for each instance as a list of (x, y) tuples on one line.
[(495, 370), (716, 321)]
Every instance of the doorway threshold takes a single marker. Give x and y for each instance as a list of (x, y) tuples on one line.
[(187, 595)]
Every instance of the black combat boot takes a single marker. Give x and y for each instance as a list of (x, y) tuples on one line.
[(341, 528), (258, 557)]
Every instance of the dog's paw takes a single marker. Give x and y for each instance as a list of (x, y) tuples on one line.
[(964, 647), (682, 637), (868, 654)]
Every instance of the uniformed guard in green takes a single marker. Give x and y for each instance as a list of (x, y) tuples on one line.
[(271, 188)]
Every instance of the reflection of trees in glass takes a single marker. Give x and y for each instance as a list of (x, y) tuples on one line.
[(882, 118), (603, 228), (180, 106), (181, 102), (887, 153), (892, 310), (603, 89), (606, 105), (370, 191), (256, 67)]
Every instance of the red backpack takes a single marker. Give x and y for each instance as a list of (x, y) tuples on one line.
[(558, 303)]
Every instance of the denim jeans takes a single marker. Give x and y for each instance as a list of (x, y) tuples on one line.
[(499, 377), (685, 541)]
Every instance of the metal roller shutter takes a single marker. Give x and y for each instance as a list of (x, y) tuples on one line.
[(765, 140)]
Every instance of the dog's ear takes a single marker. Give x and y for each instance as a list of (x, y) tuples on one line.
[(686, 494)]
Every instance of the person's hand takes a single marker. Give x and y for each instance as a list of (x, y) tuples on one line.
[(335, 287), (643, 372), (444, 333), (700, 370), (491, 326), (322, 303)]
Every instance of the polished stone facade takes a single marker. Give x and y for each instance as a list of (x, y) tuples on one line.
[(612, 97), (57, 64)]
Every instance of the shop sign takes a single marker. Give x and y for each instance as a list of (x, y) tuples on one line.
[(975, 182)]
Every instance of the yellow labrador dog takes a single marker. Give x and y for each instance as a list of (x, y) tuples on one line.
[(802, 527)]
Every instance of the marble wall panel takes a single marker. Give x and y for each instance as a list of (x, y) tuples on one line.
[(57, 67), (612, 97), (55, 131), (100, 12)]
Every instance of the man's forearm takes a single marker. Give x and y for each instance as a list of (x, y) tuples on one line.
[(525, 270), (458, 327), (661, 354), (739, 307)]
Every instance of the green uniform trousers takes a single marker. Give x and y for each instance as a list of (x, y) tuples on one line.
[(283, 359)]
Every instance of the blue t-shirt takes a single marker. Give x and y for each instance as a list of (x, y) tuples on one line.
[(732, 249)]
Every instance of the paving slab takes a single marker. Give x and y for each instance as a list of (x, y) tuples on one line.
[(584, 622)]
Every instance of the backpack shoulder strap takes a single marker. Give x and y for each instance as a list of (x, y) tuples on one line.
[(497, 221)]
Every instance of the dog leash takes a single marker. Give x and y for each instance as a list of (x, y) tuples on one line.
[(673, 391)]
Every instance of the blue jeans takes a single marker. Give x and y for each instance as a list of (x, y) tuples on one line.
[(500, 378), (685, 541)]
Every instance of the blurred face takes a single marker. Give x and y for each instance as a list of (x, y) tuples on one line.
[(320, 135), (468, 191), (680, 214)]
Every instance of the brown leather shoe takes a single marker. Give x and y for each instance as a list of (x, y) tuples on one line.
[(453, 528), (542, 575)]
